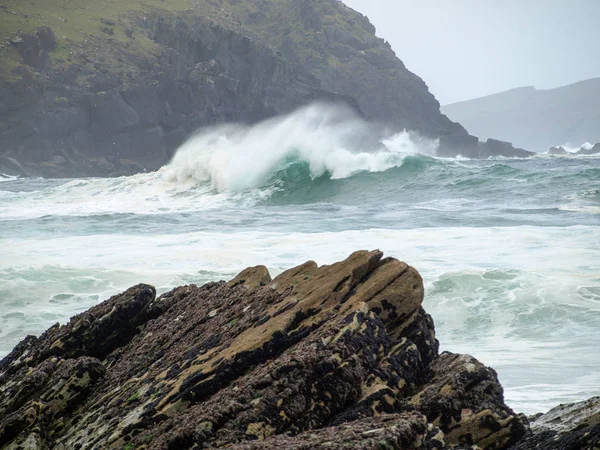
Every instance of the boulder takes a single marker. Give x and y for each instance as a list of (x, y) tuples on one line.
[(465, 400), (342, 355), (34, 48), (494, 147), (567, 427), (470, 147), (557, 151), (590, 151)]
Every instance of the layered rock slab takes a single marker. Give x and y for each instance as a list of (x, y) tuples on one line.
[(574, 426), (316, 355)]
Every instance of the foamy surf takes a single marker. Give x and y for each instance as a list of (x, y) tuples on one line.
[(4, 177), (328, 139)]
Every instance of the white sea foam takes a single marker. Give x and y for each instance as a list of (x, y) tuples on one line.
[(4, 177), (328, 138), (575, 148)]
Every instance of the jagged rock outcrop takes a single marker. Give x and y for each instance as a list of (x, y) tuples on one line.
[(470, 147), (595, 150), (494, 147), (319, 357), (567, 427), (557, 151)]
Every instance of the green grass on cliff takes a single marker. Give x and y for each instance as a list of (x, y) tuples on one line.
[(76, 23)]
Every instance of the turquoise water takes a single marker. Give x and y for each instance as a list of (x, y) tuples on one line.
[(509, 248)]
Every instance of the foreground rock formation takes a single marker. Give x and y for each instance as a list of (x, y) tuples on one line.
[(339, 356)]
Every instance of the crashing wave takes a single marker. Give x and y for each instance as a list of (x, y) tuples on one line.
[(328, 139)]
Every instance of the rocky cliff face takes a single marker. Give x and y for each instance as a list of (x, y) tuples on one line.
[(122, 88), (206, 74), (339, 47)]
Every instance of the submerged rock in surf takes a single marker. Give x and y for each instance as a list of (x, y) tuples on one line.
[(319, 357), (558, 151), (595, 150)]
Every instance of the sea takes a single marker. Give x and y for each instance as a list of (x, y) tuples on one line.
[(509, 249)]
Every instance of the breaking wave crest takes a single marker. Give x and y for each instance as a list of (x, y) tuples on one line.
[(325, 140)]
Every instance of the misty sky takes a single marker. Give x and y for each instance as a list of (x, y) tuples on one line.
[(469, 48)]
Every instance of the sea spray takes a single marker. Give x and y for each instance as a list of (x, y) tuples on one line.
[(329, 139)]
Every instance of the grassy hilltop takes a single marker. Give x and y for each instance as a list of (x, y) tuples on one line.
[(83, 28), (88, 30)]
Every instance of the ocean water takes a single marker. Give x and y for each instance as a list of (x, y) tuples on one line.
[(509, 248)]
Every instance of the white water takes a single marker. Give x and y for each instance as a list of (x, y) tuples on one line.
[(234, 158)]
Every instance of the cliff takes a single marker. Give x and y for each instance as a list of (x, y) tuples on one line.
[(106, 88), (339, 356), (534, 119)]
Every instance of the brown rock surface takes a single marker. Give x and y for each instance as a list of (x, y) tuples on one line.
[(338, 356)]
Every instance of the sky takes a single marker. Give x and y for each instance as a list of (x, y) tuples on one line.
[(465, 49)]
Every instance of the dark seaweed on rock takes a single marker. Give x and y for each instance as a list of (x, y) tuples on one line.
[(339, 356)]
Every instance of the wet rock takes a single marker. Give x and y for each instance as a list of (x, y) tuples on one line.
[(407, 431), (452, 146), (470, 147), (567, 427), (94, 333), (494, 147), (42, 395), (319, 357), (465, 399), (590, 151), (557, 151)]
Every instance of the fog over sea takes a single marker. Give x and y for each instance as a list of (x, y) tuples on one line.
[(509, 248)]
